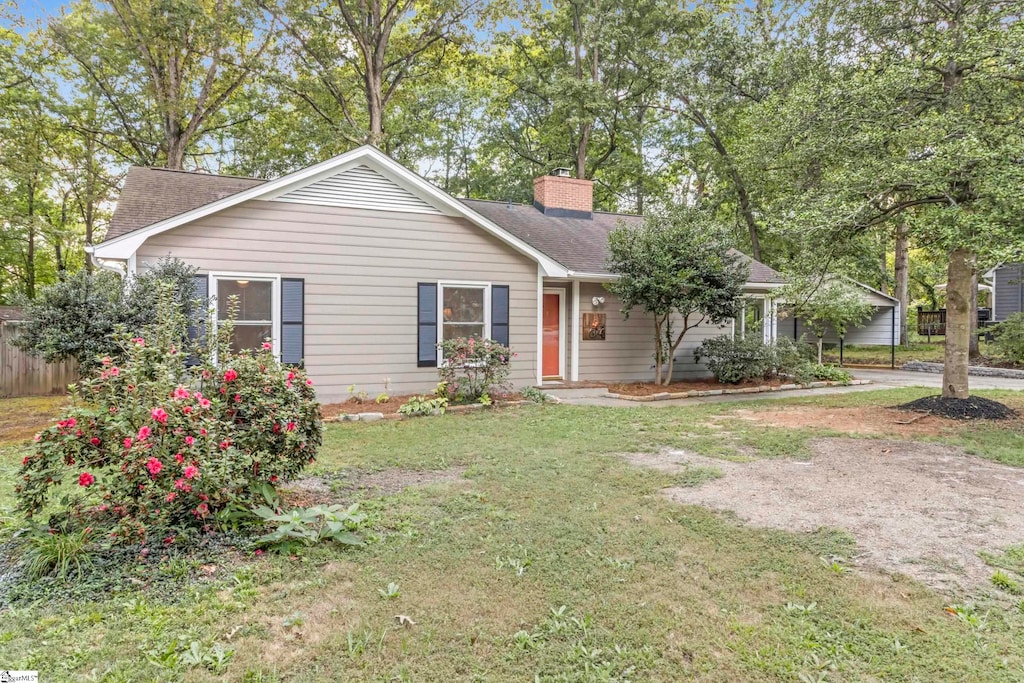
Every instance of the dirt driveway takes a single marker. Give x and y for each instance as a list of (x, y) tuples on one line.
[(921, 509)]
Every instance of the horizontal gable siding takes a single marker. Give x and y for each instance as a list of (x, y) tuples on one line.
[(361, 270), (361, 188), (877, 330)]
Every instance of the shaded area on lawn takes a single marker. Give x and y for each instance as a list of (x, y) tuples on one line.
[(651, 590)]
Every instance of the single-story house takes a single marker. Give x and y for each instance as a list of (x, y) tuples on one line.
[(358, 267)]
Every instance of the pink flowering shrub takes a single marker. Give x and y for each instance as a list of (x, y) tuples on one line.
[(153, 444), (473, 368)]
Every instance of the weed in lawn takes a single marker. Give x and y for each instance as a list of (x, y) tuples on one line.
[(389, 592), (1002, 581)]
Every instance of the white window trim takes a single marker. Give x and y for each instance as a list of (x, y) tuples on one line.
[(441, 284), (275, 301)]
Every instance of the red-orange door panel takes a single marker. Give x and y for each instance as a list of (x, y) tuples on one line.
[(550, 361)]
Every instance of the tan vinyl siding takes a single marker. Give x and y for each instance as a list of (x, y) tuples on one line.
[(360, 268), (627, 353)]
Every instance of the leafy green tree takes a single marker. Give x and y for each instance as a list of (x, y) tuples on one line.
[(678, 268), (912, 109), (831, 304), (165, 70), (77, 317)]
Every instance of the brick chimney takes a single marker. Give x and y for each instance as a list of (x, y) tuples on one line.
[(557, 194)]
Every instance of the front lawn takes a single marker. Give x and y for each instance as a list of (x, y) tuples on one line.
[(553, 560), (881, 355)]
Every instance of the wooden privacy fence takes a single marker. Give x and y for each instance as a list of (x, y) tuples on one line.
[(22, 374)]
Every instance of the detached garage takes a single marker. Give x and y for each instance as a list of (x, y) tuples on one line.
[(881, 329)]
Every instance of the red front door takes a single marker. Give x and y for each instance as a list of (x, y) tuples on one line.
[(550, 356)]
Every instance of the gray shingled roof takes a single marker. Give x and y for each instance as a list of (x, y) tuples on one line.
[(579, 244), (150, 195)]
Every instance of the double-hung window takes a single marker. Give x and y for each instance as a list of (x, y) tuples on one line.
[(465, 311), (256, 315)]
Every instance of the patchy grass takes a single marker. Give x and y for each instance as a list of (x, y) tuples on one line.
[(557, 562), (21, 418)]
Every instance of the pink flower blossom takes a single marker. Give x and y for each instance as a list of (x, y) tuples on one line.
[(191, 472), (238, 398), (95, 441), (144, 432), (139, 341), (189, 440), (230, 375), (179, 458), (309, 382), (266, 346), (187, 410), (106, 360), (180, 392), (290, 426), (154, 466), (182, 485), (127, 442), (171, 496), (86, 479), (291, 376), (225, 444), (204, 403), (115, 371), (159, 414), (202, 510)]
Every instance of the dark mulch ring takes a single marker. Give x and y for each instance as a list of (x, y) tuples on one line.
[(972, 408)]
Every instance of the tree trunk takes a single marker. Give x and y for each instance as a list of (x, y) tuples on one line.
[(958, 324), (657, 350), (821, 341), (902, 276), (973, 349), (176, 153)]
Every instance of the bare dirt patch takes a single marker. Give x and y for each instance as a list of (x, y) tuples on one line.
[(318, 490), (920, 509), (874, 420)]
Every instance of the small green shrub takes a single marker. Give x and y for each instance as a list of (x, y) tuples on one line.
[(535, 394), (474, 367), (732, 361), (304, 527), (816, 372), (423, 405), (1009, 339)]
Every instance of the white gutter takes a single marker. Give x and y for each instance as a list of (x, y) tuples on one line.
[(106, 264)]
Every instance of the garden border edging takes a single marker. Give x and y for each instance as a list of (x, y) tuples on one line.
[(976, 370), (764, 388), (469, 407)]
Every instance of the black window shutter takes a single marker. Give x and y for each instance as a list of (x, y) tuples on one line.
[(201, 294), (426, 329), (293, 300), (499, 314)]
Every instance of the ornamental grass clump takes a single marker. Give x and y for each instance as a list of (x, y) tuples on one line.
[(168, 437)]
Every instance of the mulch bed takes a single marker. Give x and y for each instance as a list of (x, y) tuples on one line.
[(649, 389), (389, 407), (971, 408)]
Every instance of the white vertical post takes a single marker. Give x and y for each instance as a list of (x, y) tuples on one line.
[(540, 325), (743, 320), (574, 333)]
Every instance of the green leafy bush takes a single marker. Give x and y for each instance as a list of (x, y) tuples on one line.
[(817, 372), (304, 527), (732, 361), (535, 394), (1009, 339), (78, 316), (474, 367), (424, 405), (151, 443)]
